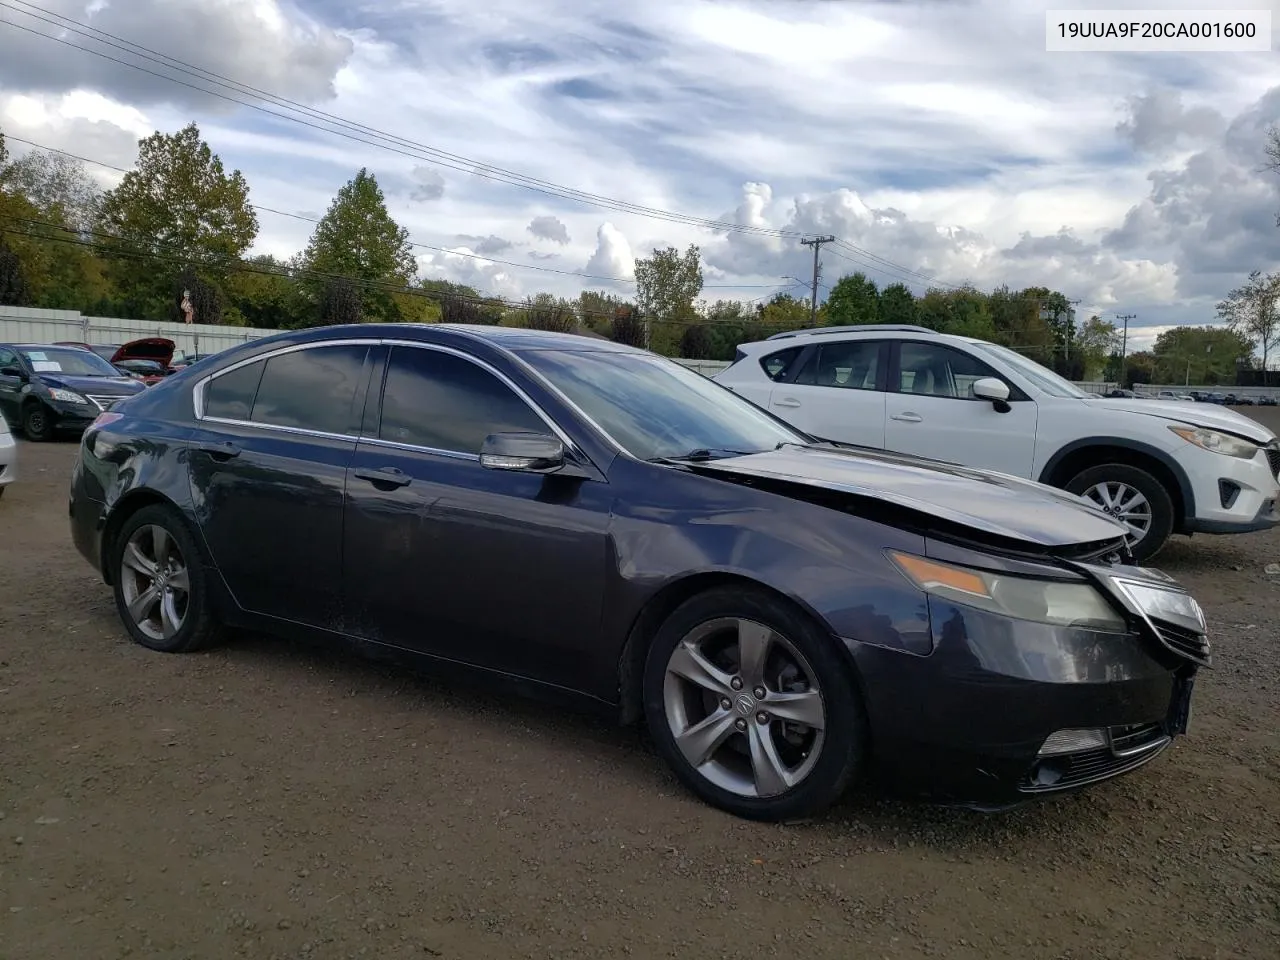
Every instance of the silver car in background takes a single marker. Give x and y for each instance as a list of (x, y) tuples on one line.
[(8, 455)]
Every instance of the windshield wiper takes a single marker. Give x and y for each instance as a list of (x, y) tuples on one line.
[(700, 455)]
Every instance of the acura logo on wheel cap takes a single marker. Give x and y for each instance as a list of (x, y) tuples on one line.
[(745, 704)]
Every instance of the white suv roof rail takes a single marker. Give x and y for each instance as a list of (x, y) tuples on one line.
[(882, 327)]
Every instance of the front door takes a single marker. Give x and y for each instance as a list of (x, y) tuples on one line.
[(268, 467), (449, 558), (932, 412)]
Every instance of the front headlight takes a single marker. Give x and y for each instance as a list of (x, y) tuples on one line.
[(1071, 604), (1173, 606), (1216, 442), (66, 396)]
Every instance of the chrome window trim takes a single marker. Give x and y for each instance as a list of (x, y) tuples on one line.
[(198, 391)]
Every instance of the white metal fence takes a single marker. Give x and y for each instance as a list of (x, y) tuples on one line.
[(26, 325)]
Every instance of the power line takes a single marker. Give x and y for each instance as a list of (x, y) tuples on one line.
[(390, 142), (414, 243)]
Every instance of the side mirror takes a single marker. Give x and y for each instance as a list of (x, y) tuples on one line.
[(10, 372), (526, 452), (994, 390)]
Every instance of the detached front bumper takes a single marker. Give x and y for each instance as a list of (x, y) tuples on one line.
[(972, 722)]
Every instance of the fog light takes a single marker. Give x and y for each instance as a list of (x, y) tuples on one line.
[(1073, 741)]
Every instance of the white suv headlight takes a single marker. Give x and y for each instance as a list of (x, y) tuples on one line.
[(1216, 442)]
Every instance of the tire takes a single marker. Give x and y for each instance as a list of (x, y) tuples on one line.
[(36, 422), (173, 623), (1115, 477), (738, 776)]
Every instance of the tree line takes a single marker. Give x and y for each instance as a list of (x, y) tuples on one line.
[(180, 225)]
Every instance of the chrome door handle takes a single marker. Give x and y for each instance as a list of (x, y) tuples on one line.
[(787, 402), (906, 417)]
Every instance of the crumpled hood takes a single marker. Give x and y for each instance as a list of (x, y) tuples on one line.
[(1208, 415), (994, 503)]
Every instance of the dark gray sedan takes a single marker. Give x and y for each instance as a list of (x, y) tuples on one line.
[(599, 525)]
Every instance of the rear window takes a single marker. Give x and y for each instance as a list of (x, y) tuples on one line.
[(776, 365), (230, 396), (311, 389)]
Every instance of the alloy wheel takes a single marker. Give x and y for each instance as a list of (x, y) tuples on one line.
[(155, 582), (1127, 504), (744, 707)]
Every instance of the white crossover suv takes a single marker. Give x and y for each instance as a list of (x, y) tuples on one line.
[(1162, 467), (8, 456)]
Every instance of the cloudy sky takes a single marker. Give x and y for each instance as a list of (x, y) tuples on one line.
[(935, 138)]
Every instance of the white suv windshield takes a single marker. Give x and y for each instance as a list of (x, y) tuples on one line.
[(654, 407), (1042, 377)]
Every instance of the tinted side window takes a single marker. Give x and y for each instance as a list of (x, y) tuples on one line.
[(776, 365), (853, 365), (438, 400), (8, 358), (311, 389), (930, 369), (230, 395)]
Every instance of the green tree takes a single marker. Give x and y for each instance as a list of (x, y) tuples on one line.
[(853, 300), (898, 305), (205, 299), (266, 296), (728, 310), (357, 239), (695, 342), (177, 202), (1019, 325), (969, 314), (545, 311), (628, 326), (1097, 341), (13, 280), (58, 186), (1200, 355), (784, 312), (667, 284), (1252, 310), (340, 302)]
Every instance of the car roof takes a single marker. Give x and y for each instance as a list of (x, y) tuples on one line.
[(508, 338), (790, 338)]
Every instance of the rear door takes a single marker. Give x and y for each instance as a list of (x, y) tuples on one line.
[(837, 393), (268, 468), (932, 412)]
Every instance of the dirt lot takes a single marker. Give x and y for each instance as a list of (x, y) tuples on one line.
[(268, 800)]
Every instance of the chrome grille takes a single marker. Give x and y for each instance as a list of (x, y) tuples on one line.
[(103, 403), (1134, 738), (1185, 643), (1130, 747), (1273, 456)]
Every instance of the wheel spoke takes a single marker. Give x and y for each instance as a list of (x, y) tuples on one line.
[(753, 650), (689, 663), (180, 580), (170, 620), (133, 559), (160, 544), (770, 773), (804, 707), (700, 742), (142, 605)]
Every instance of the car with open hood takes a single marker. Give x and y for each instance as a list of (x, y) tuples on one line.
[(49, 388), (1160, 466), (588, 521)]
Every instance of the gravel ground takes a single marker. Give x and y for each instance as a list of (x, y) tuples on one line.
[(278, 801)]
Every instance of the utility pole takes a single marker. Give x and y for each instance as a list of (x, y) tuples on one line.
[(1124, 343), (816, 243)]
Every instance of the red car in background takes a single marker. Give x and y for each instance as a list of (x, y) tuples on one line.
[(146, 359)]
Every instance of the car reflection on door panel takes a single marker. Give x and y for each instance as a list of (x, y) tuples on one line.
[(484, 566)]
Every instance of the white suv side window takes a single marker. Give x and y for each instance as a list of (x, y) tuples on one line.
[(932, 370), (853, 365)]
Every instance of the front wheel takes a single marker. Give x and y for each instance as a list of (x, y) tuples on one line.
[(751, 705), (1135, 498), (37, 423), (161, 589)]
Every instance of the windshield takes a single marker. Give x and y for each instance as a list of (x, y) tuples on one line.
[(656, 408), (71, 361), (1042, 377)]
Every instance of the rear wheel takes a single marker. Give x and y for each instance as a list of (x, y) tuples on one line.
[(37, 423), (1135, 498), (751, 705), (161, 589)]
